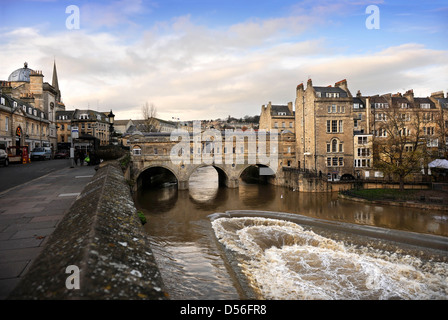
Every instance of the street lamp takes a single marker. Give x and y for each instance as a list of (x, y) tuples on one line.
[(111, 117)]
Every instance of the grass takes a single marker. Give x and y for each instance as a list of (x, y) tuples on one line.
[(385, 194)]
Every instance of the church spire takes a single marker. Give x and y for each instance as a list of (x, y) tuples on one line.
[(55, 82)]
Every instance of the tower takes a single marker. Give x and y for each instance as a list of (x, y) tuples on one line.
[(55, 83)]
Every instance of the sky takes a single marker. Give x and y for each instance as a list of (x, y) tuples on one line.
[(202, 60)]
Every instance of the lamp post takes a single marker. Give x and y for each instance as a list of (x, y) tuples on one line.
[(111, 117)]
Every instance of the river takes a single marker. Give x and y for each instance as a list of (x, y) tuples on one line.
[(264, 258)]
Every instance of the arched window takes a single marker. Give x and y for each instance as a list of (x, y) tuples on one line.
[(334, 145)]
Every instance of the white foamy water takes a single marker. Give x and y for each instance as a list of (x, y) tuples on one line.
[(282, 260)]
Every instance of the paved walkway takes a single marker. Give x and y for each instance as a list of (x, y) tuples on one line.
[(29, 213)]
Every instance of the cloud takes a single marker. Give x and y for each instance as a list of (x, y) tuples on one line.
[(192, 71)]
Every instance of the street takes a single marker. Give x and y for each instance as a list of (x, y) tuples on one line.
[(17, 174)]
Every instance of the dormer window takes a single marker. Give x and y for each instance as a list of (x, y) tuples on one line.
[(83, 116), (332, 95), (2, 101), (425, 105)]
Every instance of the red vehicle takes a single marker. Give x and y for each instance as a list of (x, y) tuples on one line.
[(19, 154), (62, 154)]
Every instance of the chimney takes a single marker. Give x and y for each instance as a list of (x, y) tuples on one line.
[(358, 94), (309, 83), (437, 95), (409, 95), (290, 107)]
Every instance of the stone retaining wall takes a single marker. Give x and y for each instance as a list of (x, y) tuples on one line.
[(103, 237)]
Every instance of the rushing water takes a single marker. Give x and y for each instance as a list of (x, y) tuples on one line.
[(264, 258)]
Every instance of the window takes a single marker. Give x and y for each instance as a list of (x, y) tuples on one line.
[(137, 151), (335, 162), (425, 105), (341, 161), (334, 145), (355, 123), (6, 124), (283, 125), (290, 124), (362, 140), (378, 105), (275, 125), (332, 95), (328, 162), (334, 126), (156, 152), (328, 126), (356, 106), (2, 101), (341, 128)]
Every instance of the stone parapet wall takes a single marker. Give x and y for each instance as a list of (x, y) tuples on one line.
[(103, 237)]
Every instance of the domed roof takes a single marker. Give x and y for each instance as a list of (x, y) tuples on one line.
[(22, 74)]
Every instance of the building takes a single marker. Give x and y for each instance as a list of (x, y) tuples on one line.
[(280, 117), (25, 87), (22, 124), (324, 129), (93, 127)]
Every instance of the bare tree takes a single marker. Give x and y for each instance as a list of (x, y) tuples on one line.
[(399, 144), (149, 112)]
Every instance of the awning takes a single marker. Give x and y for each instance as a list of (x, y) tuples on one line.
[(439, 163)]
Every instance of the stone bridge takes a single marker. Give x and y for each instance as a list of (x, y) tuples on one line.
[(229, 152)]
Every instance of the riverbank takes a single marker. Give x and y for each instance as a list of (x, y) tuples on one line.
[(422, 199)]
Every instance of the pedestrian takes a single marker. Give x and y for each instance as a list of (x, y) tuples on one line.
[(81, 158), (76, 157)]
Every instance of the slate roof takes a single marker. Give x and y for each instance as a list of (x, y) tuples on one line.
[(342, 93), (277, 109)]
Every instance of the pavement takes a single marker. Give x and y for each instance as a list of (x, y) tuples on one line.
[(29, 213)]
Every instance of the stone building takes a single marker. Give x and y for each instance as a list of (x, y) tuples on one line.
[(280, 117), (324, 129), (22, 124), (92, 127), (27, 88)]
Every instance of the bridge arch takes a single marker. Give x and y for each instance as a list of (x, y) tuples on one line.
[(150, 174), (245, 173), (223, 175)]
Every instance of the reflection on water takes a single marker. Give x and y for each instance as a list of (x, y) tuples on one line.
[(184, 243)]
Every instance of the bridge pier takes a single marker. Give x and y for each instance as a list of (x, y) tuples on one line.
[(182, 185), (232, 183)]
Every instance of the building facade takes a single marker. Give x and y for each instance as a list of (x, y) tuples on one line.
[(38, 102), (338, 135)]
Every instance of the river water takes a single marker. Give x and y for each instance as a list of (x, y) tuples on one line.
[(263, 257)]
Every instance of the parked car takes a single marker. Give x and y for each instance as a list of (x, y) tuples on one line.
[(4, 160), (63, 154), (41, 153)]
